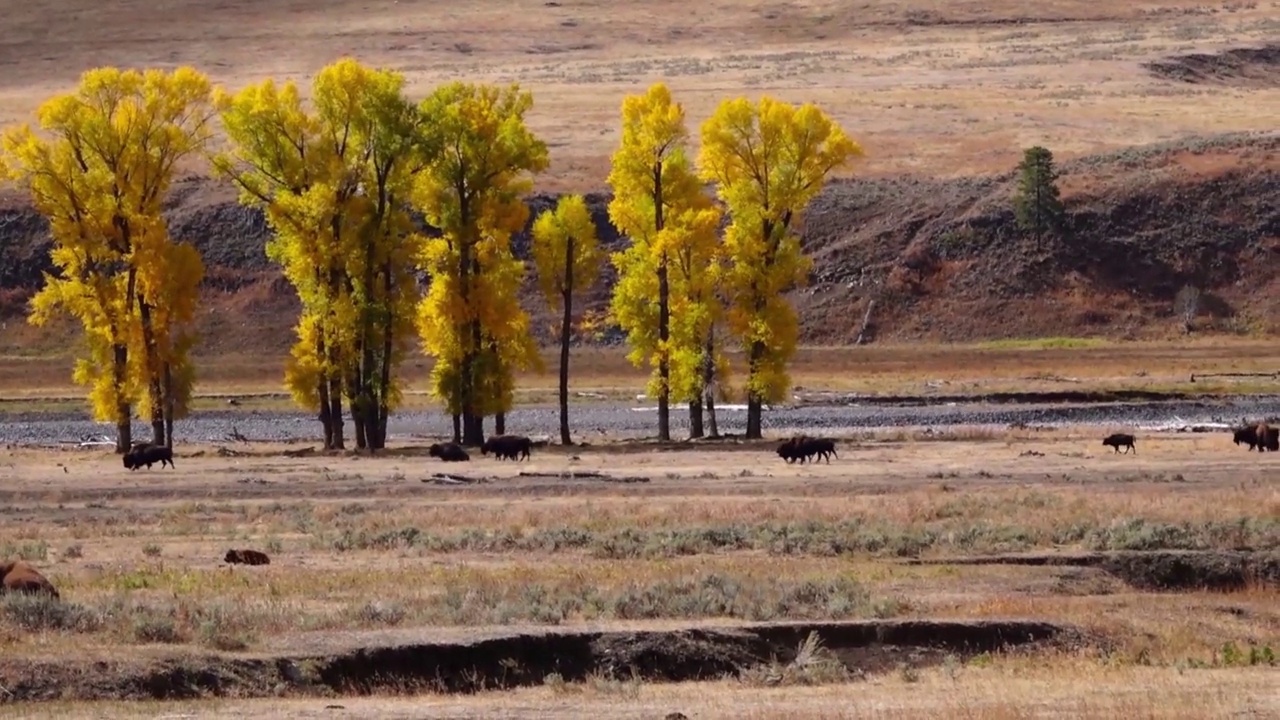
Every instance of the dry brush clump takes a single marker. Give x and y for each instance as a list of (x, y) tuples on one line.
[(230, 611)]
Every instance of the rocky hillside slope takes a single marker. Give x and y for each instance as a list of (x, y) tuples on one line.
[(940, 259)]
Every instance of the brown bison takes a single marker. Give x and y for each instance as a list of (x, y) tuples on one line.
[(507, 447), (1120, 440), (449, 452), (246, 557), (148, 454), (20, 577), (1268, 438)]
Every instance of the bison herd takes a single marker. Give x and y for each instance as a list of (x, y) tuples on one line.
[(20, 577)]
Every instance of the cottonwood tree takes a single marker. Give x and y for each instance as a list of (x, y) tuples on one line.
[(658, 202), (1036, 204), (769, 160), (99, 170), (334, 181), (568, 260), (471, 321)]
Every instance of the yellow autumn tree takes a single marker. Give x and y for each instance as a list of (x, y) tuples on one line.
[(334, 181), (658, 203), (568, 260), (99, 169), (769, 160), (471, 321)]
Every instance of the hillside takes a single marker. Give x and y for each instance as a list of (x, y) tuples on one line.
[(1143, 223), (1153, 111)]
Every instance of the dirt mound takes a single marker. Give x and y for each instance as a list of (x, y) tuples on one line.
[(1241, 67), (939, 259), (523, 659), (1155, 570)]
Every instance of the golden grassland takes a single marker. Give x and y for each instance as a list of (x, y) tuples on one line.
[(1001, 690), (936, 87), (722, 535), (31, 382)]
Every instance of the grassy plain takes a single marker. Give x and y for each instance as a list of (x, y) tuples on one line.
[(368, 548), (942, 88)]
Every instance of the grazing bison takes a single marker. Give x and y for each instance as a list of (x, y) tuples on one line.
[(507, 447), (148, 454), (19, 577), (1120, 440), (1268, 438), (449, 452), (803, 448), (246, 557), (1247, 435)]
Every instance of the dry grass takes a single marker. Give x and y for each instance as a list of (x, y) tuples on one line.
[(42, 382), (1001, 690), (361, 544), (945, 88)]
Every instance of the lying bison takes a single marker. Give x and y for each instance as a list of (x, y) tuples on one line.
[(20, 577), (449, 452), (148, 454), (246, 557), (1120, 440), (803, 448), (507, 447)]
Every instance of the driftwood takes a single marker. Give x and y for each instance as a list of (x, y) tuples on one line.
[(452, 479), (236, 436), (585, 475), (1272, 375), (300, 452)]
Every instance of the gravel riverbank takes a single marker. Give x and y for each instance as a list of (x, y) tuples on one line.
[(629, 420)]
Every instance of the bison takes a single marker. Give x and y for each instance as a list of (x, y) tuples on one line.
[(246, 557), (1247, 435), (1268, 438), (148, 454), (1120, 440), (507, 447), (449, 452), (20, 577)]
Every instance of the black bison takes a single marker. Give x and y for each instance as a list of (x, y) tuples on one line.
[(1120, 440), (20, 577), (148, 454), (1247, 435), (507, 447), (449, 452), (246, 557), (803, 448)]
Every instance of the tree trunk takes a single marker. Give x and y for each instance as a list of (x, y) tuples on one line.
[(457, 428), (152, 366), (383, 411), (664, 316), (565, 327), (124, 412), (500, 424), (472, 429), (753, 399), (335, 412), (708, 382), (713, 430), (168, 404), (695, 419), (322, 393)]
